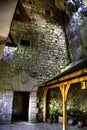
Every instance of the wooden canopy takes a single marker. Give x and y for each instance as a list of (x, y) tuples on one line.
[(75, 74)]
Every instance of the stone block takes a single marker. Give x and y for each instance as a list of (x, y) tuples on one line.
[(33, 94), (33, 110), (6, 117), (9, 105), (35, 88), (8, 98), (6, 111), (33, 99), (33, 105), (32, 117)]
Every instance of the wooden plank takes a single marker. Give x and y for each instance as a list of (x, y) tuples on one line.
[(72, 81), (52, 82), (1, 50), (64, 91), (74, 74), (23, 17), (67, 77), (44, 111), (64, 110)]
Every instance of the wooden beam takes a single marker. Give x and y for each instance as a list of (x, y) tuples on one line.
[(64, 109), (45, 104), (64, 90), (71, 81), (20, 18), (68, 76), (22, 15), (74, 74)]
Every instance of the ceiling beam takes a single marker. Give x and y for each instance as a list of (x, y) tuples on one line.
[(68, 76), (72, 81), (21, 14), (74, 77)]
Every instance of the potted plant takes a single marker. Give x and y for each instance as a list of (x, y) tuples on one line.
[(49, 120), (53, 116), (70, 113), (80, 123), (80, 120)]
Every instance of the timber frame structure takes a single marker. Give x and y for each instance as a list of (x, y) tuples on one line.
[(75, 74)]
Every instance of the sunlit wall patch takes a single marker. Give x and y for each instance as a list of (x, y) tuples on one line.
[(8, 51)]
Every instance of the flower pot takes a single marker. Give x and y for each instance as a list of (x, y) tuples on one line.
[(60, 119), (49, 121), (70, 122), (80, 124)]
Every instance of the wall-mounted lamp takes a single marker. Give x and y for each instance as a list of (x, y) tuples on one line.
[(84, 85)]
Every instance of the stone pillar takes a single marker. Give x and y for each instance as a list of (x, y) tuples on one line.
[(33, 110), (6, 100)]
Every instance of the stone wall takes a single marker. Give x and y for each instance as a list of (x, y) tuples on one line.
[(11, 79), (77, 98), (47, 54), (6, 100), (33, 109)]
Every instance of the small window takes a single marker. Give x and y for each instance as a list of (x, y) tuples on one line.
[(25, 42)]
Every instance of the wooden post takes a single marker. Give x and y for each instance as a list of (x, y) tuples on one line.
[(45, 98), (64, 90)]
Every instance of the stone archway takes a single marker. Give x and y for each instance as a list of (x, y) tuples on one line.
[(24, 83)]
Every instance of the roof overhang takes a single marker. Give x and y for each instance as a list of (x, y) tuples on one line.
[(75, 74)]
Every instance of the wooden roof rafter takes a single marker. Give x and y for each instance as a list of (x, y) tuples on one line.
[(71, 76), (20, 13), (77, 74)]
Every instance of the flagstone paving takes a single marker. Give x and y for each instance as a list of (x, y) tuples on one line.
[(37, 126)]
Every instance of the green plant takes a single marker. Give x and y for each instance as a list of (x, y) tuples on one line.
[(72, 113), (80, 117), (50, 117), (53, 114)]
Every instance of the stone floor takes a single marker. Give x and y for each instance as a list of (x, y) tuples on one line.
[(37, 126)]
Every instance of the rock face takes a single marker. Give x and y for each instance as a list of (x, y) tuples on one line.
[(76, 29)]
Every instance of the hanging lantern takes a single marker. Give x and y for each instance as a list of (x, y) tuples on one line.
[(84, 85)]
